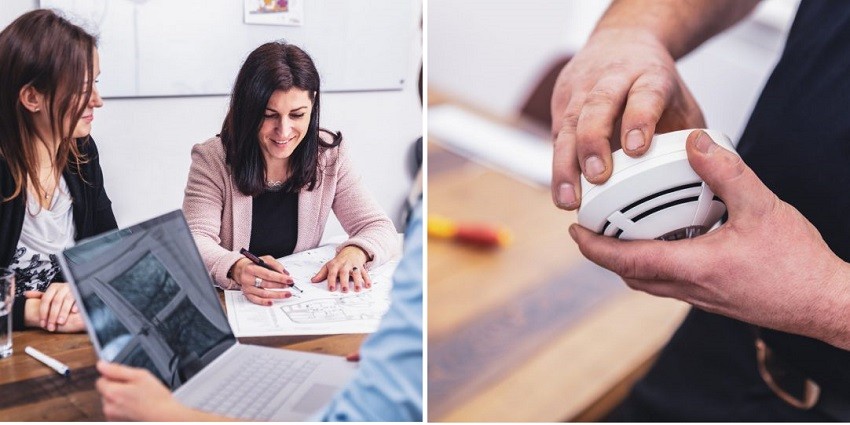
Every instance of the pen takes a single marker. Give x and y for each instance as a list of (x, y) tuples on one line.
[(54, 364), (259, 261), (475, 234)]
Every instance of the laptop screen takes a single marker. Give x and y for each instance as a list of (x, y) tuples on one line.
[(148, 300)]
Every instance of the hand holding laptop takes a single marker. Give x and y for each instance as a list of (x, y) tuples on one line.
[(131, 393)]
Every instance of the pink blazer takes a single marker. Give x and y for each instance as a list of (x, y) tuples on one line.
[(219, 215)]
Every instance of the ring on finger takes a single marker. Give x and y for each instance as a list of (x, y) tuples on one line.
[(258, 283)]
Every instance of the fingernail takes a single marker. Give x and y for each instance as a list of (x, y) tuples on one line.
[(566, 194), (288, 294), (704, 143), (634, 140), (593, 166), (44, 323), (344, 289), (62, 320), (357, 289), (573, 231)]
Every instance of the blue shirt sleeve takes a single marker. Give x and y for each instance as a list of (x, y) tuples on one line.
[(388, 383)]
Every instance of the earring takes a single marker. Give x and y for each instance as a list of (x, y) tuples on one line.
[(37, 109)]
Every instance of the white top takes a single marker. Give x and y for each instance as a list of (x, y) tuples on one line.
[(45, 233)]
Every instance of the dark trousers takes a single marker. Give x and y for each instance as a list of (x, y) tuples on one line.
[(708, 373)]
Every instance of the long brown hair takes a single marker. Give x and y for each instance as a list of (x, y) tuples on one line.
[(270, 67), (47, 52)]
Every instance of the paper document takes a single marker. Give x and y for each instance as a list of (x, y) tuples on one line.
[(503, 147), (316, 311)]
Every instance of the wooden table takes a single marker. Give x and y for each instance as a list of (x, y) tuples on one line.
[(532, 331), (30, 391)]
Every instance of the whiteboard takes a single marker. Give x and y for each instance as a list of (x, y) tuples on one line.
[(151, 48)]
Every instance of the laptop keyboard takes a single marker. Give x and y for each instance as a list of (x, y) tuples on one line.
[(248, 391)]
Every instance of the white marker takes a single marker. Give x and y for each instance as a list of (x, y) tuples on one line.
[(54, 364)]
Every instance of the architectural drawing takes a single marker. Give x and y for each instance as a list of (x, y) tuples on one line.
[(363, 306), (316, 311)]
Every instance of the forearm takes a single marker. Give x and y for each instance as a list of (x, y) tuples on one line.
[(680, 25), (205, 226), (378, 240), (218, 260), (834, 329)]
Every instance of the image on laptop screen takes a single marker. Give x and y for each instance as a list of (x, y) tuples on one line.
[(147, 299)]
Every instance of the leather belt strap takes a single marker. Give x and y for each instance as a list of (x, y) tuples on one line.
[(779, 375)]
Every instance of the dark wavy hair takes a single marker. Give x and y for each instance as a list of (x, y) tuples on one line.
[(271, 67), (45, 51)]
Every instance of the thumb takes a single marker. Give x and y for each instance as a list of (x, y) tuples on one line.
[(728, 176), (321, 275)]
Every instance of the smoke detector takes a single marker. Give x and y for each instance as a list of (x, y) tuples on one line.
[(655, 196)]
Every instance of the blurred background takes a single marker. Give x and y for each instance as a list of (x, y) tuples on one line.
[(491, 54)]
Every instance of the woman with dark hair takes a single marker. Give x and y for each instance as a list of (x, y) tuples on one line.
[(270, 179), (50, 178)]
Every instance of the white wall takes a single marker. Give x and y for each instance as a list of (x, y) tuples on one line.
[(490, 53), (145, 144)]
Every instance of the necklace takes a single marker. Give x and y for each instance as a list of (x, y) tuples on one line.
[(49, 188), (274, 185)]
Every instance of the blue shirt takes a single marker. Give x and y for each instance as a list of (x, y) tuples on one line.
[(388, 383)]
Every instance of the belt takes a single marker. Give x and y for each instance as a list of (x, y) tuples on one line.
[(793, 386)]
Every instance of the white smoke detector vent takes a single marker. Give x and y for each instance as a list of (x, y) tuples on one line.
[(655, 196)]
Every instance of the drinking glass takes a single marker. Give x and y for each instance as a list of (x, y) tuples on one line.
[(7, 296)]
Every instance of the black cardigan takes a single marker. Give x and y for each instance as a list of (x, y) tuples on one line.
[(92, 210)]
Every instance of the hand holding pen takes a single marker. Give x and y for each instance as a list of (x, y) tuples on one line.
[(257, 275)]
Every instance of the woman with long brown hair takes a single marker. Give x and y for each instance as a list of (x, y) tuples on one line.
[(269, 181), (50, 178)]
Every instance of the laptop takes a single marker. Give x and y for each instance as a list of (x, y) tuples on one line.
[(148, 301)]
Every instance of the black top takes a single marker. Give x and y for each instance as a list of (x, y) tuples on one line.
[(798, 142), (92, 210), (274, 223)]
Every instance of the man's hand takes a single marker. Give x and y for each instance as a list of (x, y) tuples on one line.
[(767, 265), (619, 90)]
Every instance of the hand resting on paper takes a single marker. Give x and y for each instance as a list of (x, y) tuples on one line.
[(346, 269)]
